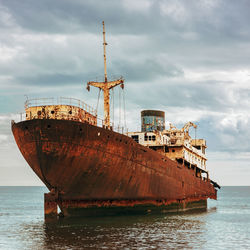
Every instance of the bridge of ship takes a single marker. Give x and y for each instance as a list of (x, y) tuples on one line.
[(176, 145)]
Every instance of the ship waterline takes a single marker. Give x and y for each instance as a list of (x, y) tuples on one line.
[(88, 166)]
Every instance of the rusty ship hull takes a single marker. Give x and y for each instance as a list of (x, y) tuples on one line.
[(86, 167)]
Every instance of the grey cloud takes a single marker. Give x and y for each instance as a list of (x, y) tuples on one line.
[(207, 95), (51, 79), (206, 37), (52, 48), (228, 17), (226, 138), (146, 70)]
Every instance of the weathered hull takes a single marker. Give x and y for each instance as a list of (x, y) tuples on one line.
[(87, 166)]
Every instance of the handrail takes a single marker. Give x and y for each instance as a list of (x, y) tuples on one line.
[(60, 101), (119, 129), (100, 122)]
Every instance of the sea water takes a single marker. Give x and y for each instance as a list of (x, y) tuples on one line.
[(225, 225)]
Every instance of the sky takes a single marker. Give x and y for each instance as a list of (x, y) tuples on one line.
[(187, 58)]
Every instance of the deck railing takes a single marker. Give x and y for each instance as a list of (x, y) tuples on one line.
[(67, 101), (60, 101), (119, 129)]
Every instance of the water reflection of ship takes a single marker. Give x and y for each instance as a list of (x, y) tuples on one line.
[(89, 168), (131, 232)]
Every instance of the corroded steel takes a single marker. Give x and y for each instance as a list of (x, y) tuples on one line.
[(50, 205), (104, 52), (152, 120), (88, 163), (87, 167), (61, 112), (89, 207), (173, 143), (106, 85), (153, 113)]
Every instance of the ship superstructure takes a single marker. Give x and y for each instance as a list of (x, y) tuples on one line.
[(89, 168), (174, 143)]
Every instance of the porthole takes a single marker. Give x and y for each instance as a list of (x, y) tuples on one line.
[(70, 112), (52, 112)]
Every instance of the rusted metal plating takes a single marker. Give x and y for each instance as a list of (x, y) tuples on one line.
[(84, 162), (68, 109)]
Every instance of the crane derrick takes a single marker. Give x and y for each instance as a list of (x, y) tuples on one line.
[(187, 126)]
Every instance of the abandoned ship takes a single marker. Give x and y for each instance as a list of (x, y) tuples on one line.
[(91, 169)]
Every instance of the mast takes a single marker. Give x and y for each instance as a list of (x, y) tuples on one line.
[(106, 85), (104, 53)]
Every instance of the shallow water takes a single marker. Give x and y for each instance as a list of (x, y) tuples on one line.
[(225, 225)]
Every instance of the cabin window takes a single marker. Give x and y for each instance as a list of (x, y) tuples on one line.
[(135, 138), (173, 150), (153, 138), (70, 112), (145, 137), (52, 112)]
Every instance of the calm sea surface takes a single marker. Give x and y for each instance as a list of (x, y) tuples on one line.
[(225, 225)]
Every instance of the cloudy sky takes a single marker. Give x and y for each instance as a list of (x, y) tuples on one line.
[(188, 58)]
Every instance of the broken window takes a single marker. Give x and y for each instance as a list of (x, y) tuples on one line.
[(135, 138)]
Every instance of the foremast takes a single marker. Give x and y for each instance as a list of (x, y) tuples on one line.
[(106, 85)]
